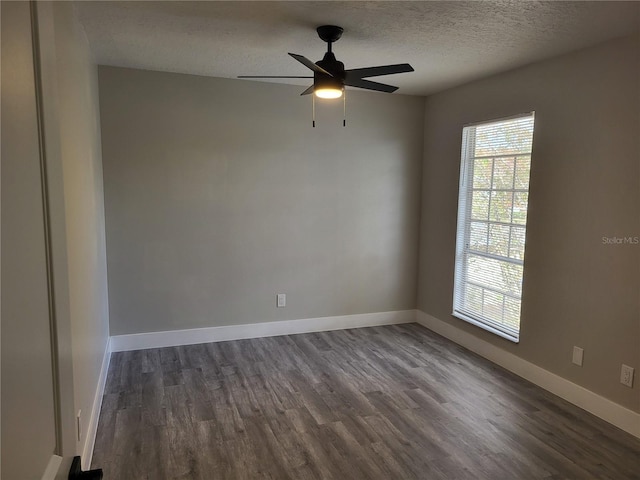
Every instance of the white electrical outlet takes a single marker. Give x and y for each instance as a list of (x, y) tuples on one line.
[(281, 300), (578, 355), (626, 375)]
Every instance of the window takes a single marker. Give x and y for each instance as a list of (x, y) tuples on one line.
[(492, 223)]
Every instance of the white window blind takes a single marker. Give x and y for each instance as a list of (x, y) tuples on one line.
[(492, 222)]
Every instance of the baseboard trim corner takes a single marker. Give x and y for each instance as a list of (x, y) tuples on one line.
[(173, 338), (52, 470), (601, 407), (92, 430)]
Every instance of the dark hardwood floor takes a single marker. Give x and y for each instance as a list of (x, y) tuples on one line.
[(393, 402)]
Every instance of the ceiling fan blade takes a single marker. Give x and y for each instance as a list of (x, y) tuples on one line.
[(308, 91), (369, 85), (377, 71), (270, 76), (309, 64)]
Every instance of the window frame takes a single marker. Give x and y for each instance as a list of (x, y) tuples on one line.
[(463, 227)]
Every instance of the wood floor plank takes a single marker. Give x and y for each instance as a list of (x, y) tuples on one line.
[(382, 403)]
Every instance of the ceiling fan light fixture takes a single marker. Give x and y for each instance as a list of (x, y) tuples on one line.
[(328, 92)]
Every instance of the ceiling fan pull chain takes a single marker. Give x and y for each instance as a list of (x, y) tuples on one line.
[(313, 111), (344, 107)]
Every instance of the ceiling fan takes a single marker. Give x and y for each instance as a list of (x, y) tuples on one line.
[(329, 75)]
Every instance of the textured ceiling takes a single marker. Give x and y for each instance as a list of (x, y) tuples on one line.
[(448, 43)]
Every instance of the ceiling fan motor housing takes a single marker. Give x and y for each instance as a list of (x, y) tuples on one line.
[(334, 67)]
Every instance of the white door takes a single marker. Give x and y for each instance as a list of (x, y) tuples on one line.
[(28, 407)]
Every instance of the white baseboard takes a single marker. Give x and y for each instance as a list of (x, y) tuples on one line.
[(140, 341), (90, 439), (53, 467), (611, 412)]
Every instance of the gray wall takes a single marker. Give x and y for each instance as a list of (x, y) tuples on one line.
[(585, 184), (219, 195)]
